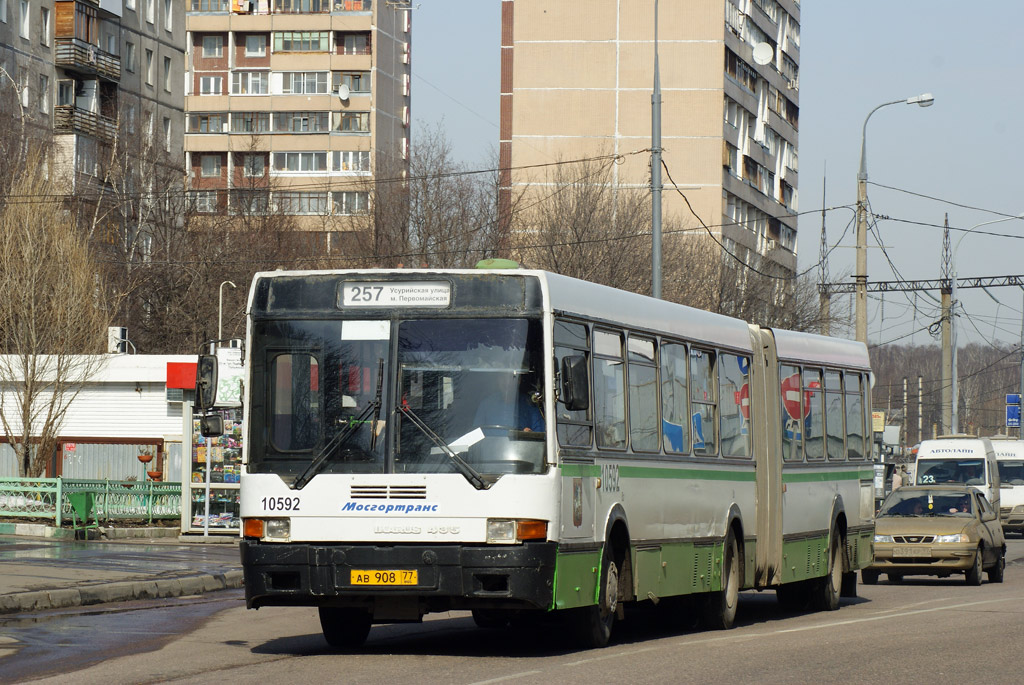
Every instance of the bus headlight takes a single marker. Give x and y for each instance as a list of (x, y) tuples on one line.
[(279, 529), (509, 531)]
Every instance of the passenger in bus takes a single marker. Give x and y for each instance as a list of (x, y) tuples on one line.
[(970, 475)]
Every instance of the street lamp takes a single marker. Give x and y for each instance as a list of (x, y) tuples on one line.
[(923, 100), (955, 418), (220, 311)]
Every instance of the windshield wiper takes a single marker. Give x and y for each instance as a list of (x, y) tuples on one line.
[(342, 437), (475, 478)]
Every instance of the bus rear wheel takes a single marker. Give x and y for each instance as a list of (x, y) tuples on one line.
[(826, 591), (720, 613), (595, 622), (344, 628)]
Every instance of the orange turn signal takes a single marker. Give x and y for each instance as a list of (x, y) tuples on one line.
[(531, 529), (252, 528)]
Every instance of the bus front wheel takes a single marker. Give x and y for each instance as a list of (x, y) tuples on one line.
[(344, 628), (720, 613), (595, 622)]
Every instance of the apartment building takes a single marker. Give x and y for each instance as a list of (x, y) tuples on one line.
[(91, 72), (296, 106), (577, 81)]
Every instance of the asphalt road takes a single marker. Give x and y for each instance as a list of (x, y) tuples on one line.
[(921, 630)]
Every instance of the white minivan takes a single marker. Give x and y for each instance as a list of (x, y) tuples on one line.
[(962, 459), (1010, 458)]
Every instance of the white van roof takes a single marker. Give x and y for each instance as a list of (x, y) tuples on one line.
[(1007, 448), (955, 445)]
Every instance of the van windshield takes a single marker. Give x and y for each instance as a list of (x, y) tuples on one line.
[(1011, 472), (965, 471)]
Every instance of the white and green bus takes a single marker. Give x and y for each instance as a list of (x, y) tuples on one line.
[(516, 443)]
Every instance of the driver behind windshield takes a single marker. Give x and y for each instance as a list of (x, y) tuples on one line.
[(511, 403)]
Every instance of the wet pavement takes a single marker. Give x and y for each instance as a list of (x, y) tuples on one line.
[(41, 573)]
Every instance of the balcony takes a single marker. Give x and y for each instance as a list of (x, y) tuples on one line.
[(86, 58), (71, 119)]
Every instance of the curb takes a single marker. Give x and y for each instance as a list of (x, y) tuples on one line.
[(36, 530), (42, 600)]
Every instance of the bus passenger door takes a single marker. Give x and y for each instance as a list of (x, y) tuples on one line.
[(764, 377)]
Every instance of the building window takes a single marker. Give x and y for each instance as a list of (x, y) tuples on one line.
[(207, 122), (351, 160), (168, 14), (250, 122), (211, 85), (249, 83), (353, 43), (129, 57), (167, 134), (357, 81), (303, 6), (3, 11), (131, 118), (24, 25), (44, 26), (249, 201), (304, 82), (213, 46), (210, 166), (301, 202), (151, 11), (253, 166), (350, 202), (354, 122), (65, 93), (291, 162), (167, 74), (130, 4), (149, 67), (301, 41), (44, 93), (210, 5), (302, 122), (357, 5), (255, 45), (204, 201)]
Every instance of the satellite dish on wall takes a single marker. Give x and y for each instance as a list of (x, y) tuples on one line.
[(763, 54), (343, 91)]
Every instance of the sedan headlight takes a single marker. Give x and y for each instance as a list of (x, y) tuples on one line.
[(959, 537), (883, 538)]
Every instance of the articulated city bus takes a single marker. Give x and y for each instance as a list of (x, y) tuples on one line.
[(518, 443)]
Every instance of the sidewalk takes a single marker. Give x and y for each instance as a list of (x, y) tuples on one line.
[(42, 567)]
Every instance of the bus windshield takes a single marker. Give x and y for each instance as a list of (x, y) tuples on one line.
[(476, 385)]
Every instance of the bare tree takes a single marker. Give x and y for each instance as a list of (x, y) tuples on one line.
[(52, 316)]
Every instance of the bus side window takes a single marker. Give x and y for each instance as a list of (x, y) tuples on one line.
[(792, 413), (854, 416), (643, 394), (675, 411), (703, 386), (814, 424), (734, 395), (609, 390), (835, 416), (574, 427)]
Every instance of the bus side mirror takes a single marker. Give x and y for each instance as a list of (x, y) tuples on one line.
[(211, 425), (575, 390), (206, 382)]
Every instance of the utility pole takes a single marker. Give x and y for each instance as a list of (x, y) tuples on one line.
[(946, 292), (656, 169), (824, 301)]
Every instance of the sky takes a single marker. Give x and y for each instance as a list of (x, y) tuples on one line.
[(955, 157)]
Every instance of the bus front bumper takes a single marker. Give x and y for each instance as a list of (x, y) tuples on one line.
[(447, 577)]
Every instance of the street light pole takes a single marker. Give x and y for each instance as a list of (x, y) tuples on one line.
[(954, 410), (656, 170), (220, 311), (861, 277)]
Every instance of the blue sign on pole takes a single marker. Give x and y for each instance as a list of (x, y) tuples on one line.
[(1013, 416), (1013, 398)]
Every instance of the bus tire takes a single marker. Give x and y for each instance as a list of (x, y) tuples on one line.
[(494, 619), (826, 590), (595, 622), (849, 588), (344, 627), (720, 610)]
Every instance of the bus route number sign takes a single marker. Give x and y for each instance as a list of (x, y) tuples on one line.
[(392, 294)]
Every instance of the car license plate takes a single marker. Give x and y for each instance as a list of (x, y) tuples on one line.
[(385, 577), (911, 551)]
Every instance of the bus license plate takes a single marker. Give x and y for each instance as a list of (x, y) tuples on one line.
[(386, 577), (913, 551)]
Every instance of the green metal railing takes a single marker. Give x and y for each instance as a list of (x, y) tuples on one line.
[(48, 498)]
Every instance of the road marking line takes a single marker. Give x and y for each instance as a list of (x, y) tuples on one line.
[(605, 657), (514, 676)]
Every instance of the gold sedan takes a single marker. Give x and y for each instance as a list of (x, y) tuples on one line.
[(937, 531)]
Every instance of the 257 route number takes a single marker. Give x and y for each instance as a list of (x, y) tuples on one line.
[(280, 503), (365, 293)]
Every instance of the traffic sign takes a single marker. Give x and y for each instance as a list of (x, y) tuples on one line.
[(743, 400), (791, 397), (1013, 398), (1013, 416)]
